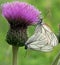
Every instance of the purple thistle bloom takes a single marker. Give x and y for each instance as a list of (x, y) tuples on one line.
[(19, 15), (20, 12)]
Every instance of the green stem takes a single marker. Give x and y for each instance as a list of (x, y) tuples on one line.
[(15, 51), (56, 59)]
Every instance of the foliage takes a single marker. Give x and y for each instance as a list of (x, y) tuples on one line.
[(51, 14)]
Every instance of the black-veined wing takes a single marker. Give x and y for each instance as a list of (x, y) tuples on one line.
[(52, 39), (43, 39)]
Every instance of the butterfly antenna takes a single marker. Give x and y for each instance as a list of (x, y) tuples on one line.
[(41, 18)]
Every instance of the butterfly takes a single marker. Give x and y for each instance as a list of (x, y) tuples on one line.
[(43, 39)]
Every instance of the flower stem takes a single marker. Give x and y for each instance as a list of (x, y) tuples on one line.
[(15, 51), (56, 59)]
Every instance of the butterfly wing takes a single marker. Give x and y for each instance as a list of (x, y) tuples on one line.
[(37, 41), (43, 39), (47, 48), (36, 45), (40, 44), (52, 39)]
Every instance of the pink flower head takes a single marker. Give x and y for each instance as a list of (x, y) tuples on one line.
[(21, 13)]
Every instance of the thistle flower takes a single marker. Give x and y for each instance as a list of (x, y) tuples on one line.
[(19, 15), (20, 12)]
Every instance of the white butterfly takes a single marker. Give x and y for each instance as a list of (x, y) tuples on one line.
[(43, 39)]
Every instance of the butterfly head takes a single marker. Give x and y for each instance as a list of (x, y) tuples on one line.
[(40, 20)]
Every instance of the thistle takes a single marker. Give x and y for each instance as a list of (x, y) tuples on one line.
[(19, 15)]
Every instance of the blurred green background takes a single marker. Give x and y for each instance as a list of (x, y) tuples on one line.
[(51, 14)]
